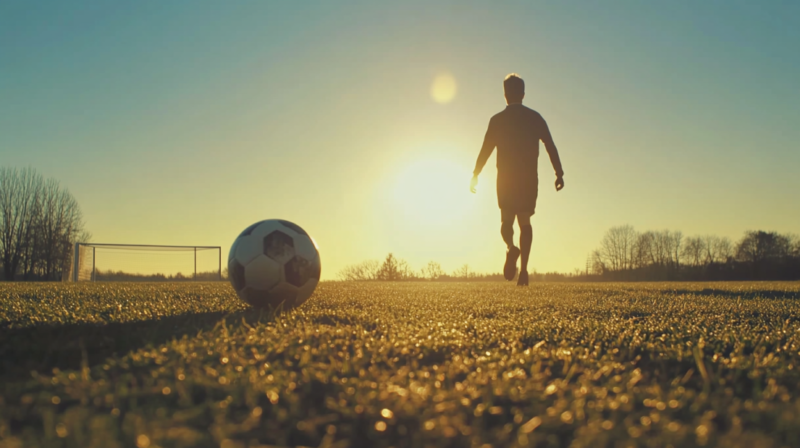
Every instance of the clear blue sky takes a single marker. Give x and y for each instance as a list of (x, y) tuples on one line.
[(181, 122)]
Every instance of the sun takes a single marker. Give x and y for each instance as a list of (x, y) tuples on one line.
[(443, 88), (433, 191)]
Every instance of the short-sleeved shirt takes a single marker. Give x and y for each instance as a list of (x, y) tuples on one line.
[(516, 132)]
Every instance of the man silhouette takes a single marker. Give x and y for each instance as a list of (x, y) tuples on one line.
[(516, 132)]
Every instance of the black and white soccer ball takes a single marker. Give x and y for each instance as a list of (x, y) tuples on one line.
[(274, 262)]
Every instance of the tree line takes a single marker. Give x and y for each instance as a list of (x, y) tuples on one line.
[(39, 223), (625, 254), (396, 269), (122, 276)]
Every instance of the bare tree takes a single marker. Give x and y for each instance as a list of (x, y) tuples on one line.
[(758, 255), (676, 239), (794, 245), (597, 263), (661, 248), (757, 247), (716, 249), (367, 270), (20, 192), (391, 269), (432, 271), (709, 245), (406, 273), (694, 249), (723, 250), (617, 247), (60, 224), (462, 273), (39, 223), (643, 250)]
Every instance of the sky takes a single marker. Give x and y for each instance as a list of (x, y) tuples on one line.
[(182, 122)]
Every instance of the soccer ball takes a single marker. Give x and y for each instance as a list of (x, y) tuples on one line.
[(274, 262)]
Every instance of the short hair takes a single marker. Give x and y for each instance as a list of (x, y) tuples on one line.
[(514, 87)]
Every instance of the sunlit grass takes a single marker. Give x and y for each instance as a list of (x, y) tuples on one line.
[(587, 365)]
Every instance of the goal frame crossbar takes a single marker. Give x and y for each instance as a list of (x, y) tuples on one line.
[(76, 255)]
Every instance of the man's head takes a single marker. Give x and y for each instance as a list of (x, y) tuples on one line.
[(514, 87)]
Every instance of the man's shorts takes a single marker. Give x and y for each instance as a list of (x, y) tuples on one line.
[(518, 196)]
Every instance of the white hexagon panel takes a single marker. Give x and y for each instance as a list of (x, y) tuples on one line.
[(246, 249), (274, 263)]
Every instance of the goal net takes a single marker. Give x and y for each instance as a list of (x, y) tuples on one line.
[(149, 263)]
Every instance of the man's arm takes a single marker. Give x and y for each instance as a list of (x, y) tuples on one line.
[(550, 146), (486, 151)]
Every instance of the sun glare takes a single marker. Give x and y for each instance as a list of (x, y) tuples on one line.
[(433, 192), (443, 88)]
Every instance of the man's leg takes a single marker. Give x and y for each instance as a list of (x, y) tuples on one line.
[(507, 228), (525, 240), (507, 232)]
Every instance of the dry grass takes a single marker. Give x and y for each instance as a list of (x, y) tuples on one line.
[(582, 365)]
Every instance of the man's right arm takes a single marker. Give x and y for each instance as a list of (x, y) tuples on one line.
[(486, 150)]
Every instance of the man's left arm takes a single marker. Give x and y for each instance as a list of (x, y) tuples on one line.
[(550, 146)]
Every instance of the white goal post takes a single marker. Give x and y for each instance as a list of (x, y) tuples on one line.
[(145, 262)]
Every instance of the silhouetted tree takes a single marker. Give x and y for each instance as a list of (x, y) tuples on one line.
[(675, 240), (643, 250), (406, 273), (432, 271), (597, 263), (694, 250), (757, 247), (39, 223), (760, 248), (617, 247), (667, 255), (716, 249), (661, 245), (390, 269), (367, 270), (794, 241), (462, 273)]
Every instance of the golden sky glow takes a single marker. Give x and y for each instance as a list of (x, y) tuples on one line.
[(188, 123)]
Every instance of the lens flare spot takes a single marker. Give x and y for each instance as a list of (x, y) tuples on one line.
[(443, 88)]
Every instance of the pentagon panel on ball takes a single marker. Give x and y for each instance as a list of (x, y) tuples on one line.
[(274, 263)]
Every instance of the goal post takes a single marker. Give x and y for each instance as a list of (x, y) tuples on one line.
[(145, 262)]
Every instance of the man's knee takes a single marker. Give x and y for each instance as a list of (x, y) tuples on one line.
[(507, 218), (524, 219)]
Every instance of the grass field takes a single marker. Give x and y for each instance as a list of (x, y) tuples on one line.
[(411, 364)]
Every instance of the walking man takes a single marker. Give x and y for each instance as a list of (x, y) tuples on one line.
[(516, 132)]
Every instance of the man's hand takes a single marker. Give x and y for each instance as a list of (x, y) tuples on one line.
[(559, 183), (473, 183)]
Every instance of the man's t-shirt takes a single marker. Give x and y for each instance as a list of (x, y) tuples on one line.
[(516, 132)]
